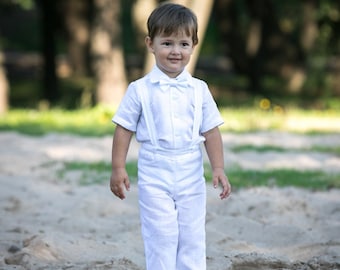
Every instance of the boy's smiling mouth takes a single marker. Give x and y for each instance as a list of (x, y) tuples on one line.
[(174, 59)]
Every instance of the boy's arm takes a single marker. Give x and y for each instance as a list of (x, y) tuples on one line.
[(214, 147), (120, 146)]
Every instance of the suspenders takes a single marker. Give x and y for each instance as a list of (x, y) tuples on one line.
[(144, 94), (198, 92)]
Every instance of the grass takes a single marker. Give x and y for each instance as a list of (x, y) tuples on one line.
[(97, 121), (266, 148), (314, 180), (91, 122), (99, 173), (290, 120)]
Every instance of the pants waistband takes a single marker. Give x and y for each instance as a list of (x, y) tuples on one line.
[(170, 152)]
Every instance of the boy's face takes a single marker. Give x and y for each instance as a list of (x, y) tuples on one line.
[(172, 53)]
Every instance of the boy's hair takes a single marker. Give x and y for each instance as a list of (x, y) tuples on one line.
[(169, 18)]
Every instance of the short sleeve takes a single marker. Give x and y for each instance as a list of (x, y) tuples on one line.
[(211, 116), (129, 110)]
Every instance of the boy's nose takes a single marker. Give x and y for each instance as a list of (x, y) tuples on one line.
[(175, 49)]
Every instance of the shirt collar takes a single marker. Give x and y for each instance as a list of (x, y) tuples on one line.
[(156, 75)]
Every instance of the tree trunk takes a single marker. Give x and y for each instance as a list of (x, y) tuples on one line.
[(50, 83), (202, 9), (310, 27), (262, 29), (233, 43), (141, 11), (4, 87), (308, 36), (107, 53), (75, 17)]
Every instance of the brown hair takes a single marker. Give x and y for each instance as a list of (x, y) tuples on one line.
[(170, 18)]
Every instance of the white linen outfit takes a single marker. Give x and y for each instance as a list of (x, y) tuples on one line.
[(168, 117)]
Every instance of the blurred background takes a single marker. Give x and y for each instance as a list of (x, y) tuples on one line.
[(76, 54)]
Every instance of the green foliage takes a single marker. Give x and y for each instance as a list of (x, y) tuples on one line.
[(25, 4), (24, 93), (19, 24), (76, 92)]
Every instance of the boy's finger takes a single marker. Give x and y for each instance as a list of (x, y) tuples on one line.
[(118, 191), (215, 182), (226, 191), (120, 194), (127, 184)]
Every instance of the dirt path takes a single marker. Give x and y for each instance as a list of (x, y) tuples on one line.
[(46, 223)]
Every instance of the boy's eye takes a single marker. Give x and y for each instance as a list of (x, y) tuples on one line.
[(184, 44), (166, 43)]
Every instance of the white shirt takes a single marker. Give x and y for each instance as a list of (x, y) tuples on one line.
[(172, 109)]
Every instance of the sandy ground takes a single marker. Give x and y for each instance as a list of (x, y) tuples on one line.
[(51, 223)]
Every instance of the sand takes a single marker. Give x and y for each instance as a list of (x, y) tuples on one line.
[(50, 221)]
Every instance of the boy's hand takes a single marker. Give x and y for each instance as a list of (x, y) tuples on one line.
[(220, 177), (119, 179)]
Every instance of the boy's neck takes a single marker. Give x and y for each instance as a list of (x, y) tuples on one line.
[(168, 75)]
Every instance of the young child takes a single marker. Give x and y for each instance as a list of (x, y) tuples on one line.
[(171, 113)]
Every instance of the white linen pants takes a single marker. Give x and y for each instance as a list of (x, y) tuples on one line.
[(172, 200)]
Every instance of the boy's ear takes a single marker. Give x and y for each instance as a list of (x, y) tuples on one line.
[(193, 47), (148, 43)]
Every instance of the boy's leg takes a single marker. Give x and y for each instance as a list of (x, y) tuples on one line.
[(158, 213), (191, 244), (160, 232), (191, 207)]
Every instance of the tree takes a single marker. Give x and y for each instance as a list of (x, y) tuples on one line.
[(4, 82), (141, 11), (309, 31), (4, 86), (289, 42), (107, 53), (252, 37), (202, 9), (76, 18), (51, 91)]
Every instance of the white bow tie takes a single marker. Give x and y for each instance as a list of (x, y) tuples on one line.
[(181, 84)]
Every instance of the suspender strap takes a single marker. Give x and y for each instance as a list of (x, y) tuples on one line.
[(144, 93), (197, 113)]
